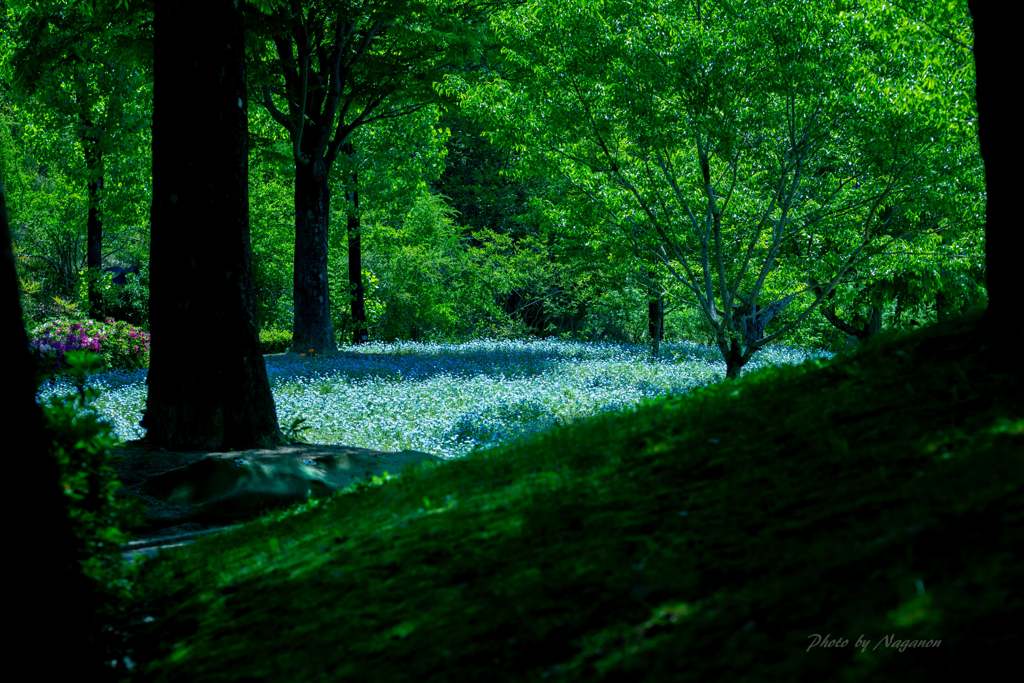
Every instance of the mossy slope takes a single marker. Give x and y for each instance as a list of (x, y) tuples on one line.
[(699, 538)]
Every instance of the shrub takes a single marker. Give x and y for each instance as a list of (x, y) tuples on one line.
[(424, 281), (81, 442), (126, 300), (275, 341), (119, 344)]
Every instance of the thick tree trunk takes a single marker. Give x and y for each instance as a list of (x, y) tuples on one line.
[(312, 330), (94, 225), (656, 321), (357, 293), (995, 130), (56, 604), (208, 385)]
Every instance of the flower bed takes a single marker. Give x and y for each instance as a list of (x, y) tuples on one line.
[(121, 345), (447, 399)]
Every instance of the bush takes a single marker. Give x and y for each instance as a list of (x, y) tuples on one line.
[(275, 341), (128, 300), (119, 344), (81, 442), (424, 282)]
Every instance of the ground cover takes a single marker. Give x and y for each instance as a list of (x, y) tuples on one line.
[(447, 399), (707, 536)]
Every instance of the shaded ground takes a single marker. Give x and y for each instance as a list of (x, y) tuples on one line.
[(185, 495), (699, 538)]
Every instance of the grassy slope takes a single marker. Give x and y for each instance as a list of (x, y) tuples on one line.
[(699, 538)]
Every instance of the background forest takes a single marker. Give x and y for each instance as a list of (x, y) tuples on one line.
[(628, 289), (809, 179)]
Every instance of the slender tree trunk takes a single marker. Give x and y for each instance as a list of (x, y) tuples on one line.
[(94, 225), (357, 293), (874, 324), (312, 329), (656, 321), (941, 306), (208, 385), (55, 605)]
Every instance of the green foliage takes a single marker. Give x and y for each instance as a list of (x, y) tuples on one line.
[(116, 343), (295, 430), (275, 341), (272, 220), (719, 528), (501, 109), (81, 444), (129, 301), (74, 113), (425, 280), (762, 156)]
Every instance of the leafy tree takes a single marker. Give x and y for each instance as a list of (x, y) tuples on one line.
[(934, 269), (217, 396), (83, 61), (46, 205), (384, 174), (759, 153), (329, 68)]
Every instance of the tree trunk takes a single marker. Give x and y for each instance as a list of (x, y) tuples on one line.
[(656, 321), (357, 293), (208, 385), (57, 604), (94, 225), (312, 329), (874, 323), (941, 306), (734, 360), (995, 130)]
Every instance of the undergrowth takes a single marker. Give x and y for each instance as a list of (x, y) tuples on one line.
[(703, 537)]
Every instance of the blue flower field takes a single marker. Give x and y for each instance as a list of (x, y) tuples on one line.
[(448, 399)]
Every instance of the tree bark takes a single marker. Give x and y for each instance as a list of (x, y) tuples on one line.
[(94, 225), (312, 329), (357, 293), (994, 133), (858, 331), (56, 606), (735, 359), (656, 321), (208, 386)]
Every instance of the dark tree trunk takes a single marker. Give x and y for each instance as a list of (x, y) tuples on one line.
[(357, 294), (859, 330), (208, 385), (941, 306), (312, 330), (874, 323), (94, 225), (54, 605), (735, 359), (656, 321), (360, 334), (1004, 285)]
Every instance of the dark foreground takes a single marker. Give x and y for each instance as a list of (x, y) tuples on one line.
[(875, 500)]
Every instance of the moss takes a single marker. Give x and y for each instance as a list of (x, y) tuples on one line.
[(696, 538)]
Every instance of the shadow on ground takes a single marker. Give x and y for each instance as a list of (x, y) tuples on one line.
[(188, 494)]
